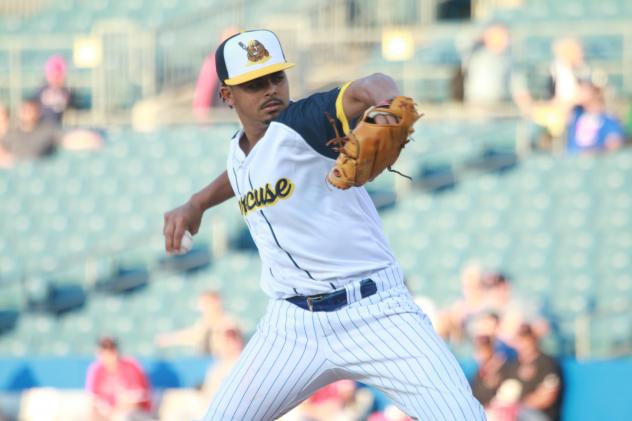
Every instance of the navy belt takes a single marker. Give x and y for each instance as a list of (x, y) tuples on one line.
[(332, 301)]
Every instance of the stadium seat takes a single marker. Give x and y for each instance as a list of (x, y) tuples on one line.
[(124, 280), (8, 320), (435, 177), (60, 299), (197, 258)]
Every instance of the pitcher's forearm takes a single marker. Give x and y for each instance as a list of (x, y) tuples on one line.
[(215, 193), (370, 90)]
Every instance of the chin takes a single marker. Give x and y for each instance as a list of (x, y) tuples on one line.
[(271, 116)]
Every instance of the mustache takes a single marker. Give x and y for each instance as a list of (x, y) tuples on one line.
[(272, 101)]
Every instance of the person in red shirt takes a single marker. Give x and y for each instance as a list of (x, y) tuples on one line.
[(207, 86), (118, 385)]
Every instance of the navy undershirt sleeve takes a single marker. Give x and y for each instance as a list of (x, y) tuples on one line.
[(308, 117)]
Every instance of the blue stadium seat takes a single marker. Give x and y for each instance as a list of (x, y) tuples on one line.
[(603, 47)]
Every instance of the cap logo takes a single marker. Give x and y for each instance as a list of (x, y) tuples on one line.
[(256, 52)]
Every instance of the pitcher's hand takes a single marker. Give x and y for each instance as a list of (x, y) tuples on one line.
[(178, 220)]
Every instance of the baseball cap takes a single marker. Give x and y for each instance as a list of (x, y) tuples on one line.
[(249, 55)]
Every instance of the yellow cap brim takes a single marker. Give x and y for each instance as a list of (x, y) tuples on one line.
[(247, 77)]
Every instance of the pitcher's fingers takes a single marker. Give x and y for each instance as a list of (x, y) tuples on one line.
[(177, 236), (165, 222), (168, 233), (385, 119)]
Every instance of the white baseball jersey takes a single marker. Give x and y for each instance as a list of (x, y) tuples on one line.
[(312, 237)]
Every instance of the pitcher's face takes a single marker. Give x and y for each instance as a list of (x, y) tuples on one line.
[(260, 99)]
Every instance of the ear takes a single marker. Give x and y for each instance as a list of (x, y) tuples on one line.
[(226, 93)]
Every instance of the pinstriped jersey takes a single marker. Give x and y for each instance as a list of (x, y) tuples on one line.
[(312, 237)]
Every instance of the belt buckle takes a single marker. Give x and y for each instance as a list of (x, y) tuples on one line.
[(310, 300)]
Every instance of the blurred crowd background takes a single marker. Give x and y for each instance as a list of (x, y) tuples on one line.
[(515, 234)]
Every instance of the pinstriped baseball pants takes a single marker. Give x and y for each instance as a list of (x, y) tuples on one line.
[(384, 340)]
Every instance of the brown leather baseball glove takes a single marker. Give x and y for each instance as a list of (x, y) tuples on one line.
[(371, 148)]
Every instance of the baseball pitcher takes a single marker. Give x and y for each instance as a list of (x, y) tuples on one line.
[(338, 305)]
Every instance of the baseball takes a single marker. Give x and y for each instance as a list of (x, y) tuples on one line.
[(186, 243)]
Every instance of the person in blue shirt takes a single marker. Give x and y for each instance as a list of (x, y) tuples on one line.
[(591, 128)]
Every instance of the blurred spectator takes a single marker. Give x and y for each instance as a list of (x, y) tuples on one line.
[(214, 320), (492, 369), (487, 325), (550, 116), (488, 68), (228, 345), (183, 404), (207, 86), (118, 385), (504, 406), (54, 97), (451, 323), (206, 90), (567, 69), (32, 138), (511, 309), (6, 160), (591, 128), (533, 388), (339, 401)]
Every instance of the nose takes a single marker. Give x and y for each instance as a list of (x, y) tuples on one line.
[(271, 88)]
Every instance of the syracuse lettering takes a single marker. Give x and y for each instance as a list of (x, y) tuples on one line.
[(265, 196)]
